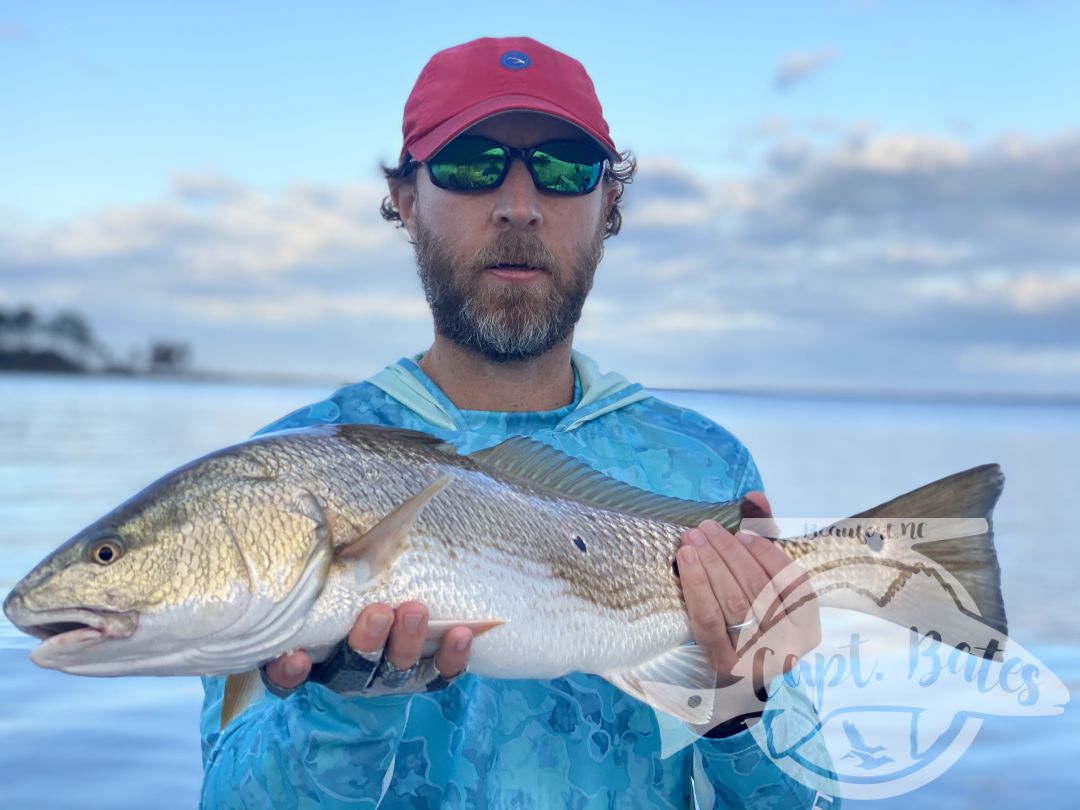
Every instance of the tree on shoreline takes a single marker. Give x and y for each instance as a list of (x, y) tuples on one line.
[(71, 330), (66, 342), (19, 324)]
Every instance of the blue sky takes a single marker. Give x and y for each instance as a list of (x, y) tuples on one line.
[(845, 194)]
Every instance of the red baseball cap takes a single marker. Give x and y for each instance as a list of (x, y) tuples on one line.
[(469, 83)]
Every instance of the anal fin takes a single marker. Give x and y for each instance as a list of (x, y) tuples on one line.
[(681, 682)]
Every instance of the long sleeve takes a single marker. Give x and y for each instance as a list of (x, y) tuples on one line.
[(572, 741), (735, 772), (298, 751)]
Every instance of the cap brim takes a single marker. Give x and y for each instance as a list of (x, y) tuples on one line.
[(424, 147)]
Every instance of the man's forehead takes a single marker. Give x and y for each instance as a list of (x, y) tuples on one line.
[(522, 128)]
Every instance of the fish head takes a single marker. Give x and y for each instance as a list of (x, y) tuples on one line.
[(192, 563)]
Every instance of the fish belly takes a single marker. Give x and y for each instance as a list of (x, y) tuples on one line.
[(547, 630)]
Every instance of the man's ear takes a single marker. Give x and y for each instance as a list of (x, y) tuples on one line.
[(403, 196), (611, 196)]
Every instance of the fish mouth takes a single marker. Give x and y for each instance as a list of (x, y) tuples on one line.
[(75, 627)]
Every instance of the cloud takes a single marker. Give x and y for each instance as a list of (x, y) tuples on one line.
[(1013, 360), (870, 255), (1025, 291), (1010, 202), (849, 257), (90, 68), (225, 266), (212, 227), (14, 32), (798, 67)]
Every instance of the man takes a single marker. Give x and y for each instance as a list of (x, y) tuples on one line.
[(508, 184)]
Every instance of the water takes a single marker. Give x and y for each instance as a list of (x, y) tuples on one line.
[(71, 449)]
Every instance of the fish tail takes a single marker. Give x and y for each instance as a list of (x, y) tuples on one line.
[(970, 557), (925, 560)]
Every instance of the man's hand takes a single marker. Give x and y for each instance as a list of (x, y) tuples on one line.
[(401, 632), (722, 576)]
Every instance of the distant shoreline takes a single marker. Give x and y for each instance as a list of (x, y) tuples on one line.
[(929, 396), (1007, 398), (174, 375)]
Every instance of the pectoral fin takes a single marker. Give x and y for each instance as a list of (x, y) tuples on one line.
[(379, 545), (240, 692)]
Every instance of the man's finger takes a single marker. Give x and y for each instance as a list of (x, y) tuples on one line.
[(707, 623), (406, 640), (371, 628), (748, 574), (797, 596), (290, 670), (756, 514), (720, 559), (454, 651), (755, 505)]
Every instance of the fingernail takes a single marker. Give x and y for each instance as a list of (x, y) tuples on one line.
[(378, 624), (710, 525), (746, 537), (462, 644), (294, 669), (696, 536), (689, 556), (412, 621)]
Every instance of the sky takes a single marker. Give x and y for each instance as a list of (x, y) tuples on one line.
[(845, 195)]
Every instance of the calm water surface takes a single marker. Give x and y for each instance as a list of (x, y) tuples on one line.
[(70, 450)]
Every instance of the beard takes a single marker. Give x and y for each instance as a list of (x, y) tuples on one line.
[(507, 322)]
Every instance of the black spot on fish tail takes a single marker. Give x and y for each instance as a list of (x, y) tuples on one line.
[(875, 541)]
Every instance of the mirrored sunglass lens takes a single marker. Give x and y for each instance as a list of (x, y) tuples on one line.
[(468, 163), (568, 167)]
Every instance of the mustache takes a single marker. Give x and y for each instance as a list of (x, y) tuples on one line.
[(514, 247)]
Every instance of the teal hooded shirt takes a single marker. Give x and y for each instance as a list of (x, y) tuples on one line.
[(575, 741)]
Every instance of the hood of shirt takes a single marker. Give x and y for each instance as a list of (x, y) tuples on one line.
[(595, 393)]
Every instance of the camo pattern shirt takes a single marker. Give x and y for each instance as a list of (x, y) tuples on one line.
[(575, 741)]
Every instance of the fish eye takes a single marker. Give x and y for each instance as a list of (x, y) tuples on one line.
[(104, 552)]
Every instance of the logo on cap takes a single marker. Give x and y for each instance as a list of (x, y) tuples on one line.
[(514, 60)]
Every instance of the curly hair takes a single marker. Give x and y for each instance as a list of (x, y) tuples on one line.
[(619, 173)]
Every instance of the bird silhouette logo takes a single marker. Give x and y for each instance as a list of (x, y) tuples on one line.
[(866, 754)]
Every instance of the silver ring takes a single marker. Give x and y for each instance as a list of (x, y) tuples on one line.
[(392, 677), (738, 628)]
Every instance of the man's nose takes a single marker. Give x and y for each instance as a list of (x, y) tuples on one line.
[(518, 201)]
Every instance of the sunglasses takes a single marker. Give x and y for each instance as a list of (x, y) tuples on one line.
[(471, 163)]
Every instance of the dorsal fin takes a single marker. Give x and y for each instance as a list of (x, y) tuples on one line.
[(380, 433), (529, 460)]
